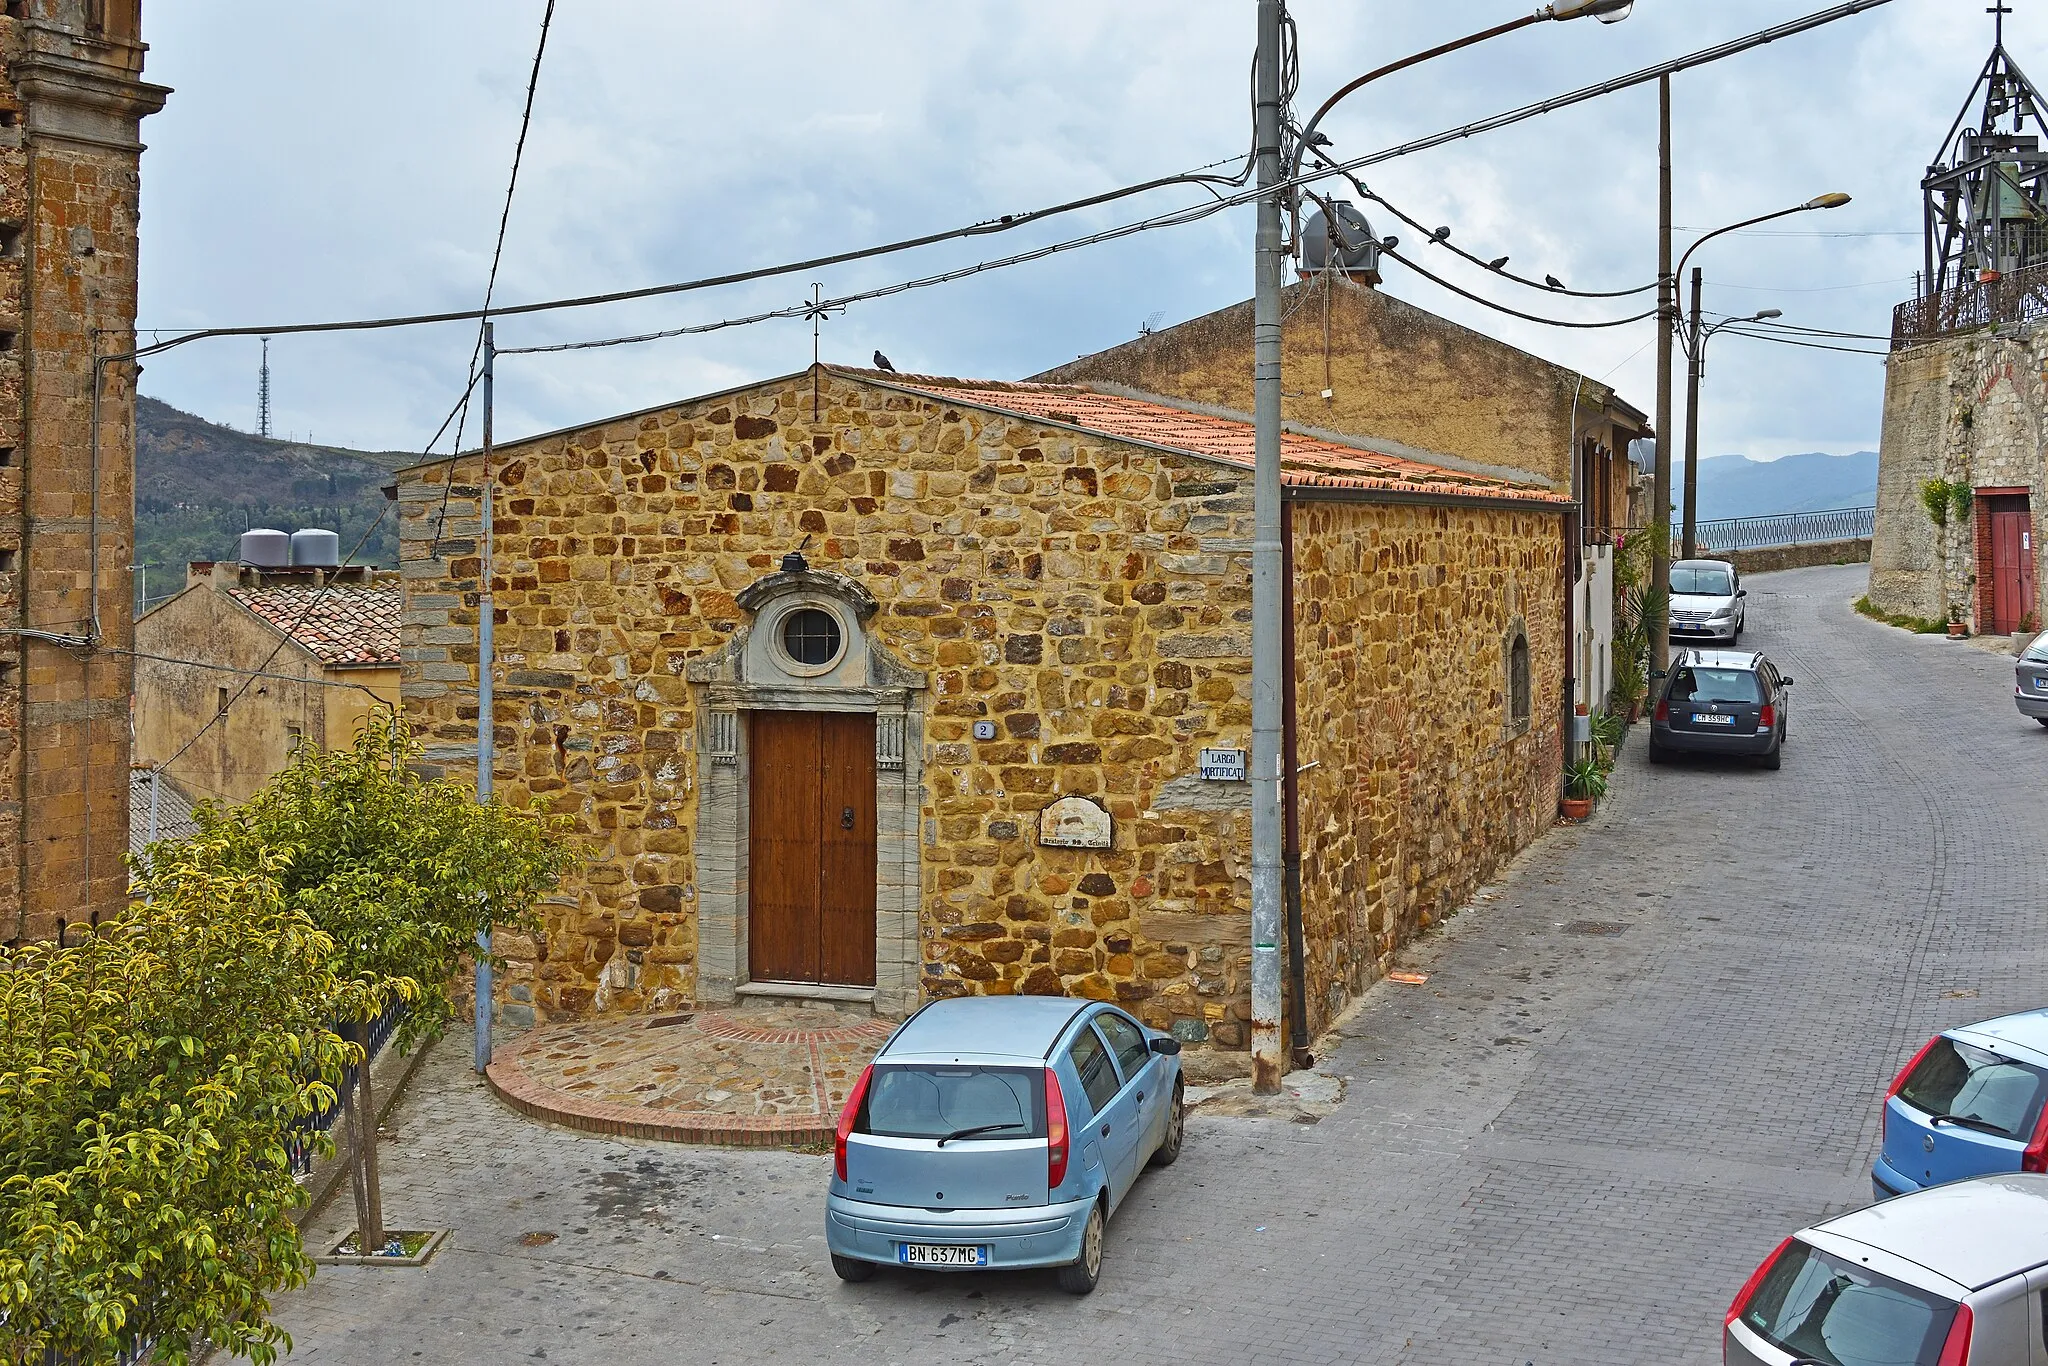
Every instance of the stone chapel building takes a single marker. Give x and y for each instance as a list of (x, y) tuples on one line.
[(878, 688)]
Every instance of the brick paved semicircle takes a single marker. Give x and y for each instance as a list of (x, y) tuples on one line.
[(768, 1078)]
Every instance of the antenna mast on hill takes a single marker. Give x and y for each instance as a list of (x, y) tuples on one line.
[(263, 393)]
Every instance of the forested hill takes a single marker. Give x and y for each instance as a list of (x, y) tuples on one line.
[(199, 485)]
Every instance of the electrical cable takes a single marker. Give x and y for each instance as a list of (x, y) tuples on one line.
[(1504, 274), (547, 18), (1812, 346), (1503, 308)]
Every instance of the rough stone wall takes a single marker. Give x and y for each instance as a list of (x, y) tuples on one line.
[(1421, 787), (1397, 373), (1969, 408), (1089, 597), (69, 179), (14, 205), (1763, 561)]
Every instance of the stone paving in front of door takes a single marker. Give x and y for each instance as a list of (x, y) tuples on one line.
[(769, 1076)]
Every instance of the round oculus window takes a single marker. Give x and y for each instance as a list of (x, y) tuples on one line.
[(811, 637)]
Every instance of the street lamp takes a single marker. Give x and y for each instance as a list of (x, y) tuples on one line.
[(1695, 342), (1275, 191)]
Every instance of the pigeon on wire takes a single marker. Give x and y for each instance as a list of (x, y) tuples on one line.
[(882, 363), (1442, 234), (1497, 263), (1553, 282)]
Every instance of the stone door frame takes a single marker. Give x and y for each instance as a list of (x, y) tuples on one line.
[(741, 678)]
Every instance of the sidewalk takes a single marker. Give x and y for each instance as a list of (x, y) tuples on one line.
[(758, 1076)]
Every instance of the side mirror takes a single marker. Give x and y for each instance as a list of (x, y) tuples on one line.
[(1787, 682), (1166, 1047), (1659, 673), (1742, 592)]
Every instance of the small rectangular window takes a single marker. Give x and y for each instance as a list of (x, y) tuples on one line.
[(8, 561), (6, 456), (223, 702), (294, 736)]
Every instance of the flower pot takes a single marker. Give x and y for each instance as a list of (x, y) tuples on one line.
[(1577, 808), (1957, 630)]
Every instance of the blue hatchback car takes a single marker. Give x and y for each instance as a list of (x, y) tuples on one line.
[(1000, 1132), (1970, 1103)]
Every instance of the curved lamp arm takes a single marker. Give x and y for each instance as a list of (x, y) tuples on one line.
[(1834, 200)]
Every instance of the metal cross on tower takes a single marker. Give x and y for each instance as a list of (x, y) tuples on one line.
[(1986, 196)]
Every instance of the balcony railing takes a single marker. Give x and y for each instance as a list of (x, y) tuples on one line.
[(2016, 297), (1790, 528)]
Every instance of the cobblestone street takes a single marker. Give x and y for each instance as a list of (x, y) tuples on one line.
[(1644, 1056)]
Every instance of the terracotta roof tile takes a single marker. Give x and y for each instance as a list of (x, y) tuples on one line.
[(339, 624), (1306, 461)]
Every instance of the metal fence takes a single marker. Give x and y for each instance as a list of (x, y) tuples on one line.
[(2016, 297), (1790, 528), (299, 1143)]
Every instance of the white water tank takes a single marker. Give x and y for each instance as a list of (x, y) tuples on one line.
[(266, 548), (315, 548)]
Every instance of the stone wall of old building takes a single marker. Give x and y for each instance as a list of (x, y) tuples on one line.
[(1423, 783), (1396, 373), (1088, 597), (1968, 408), (70, 110)]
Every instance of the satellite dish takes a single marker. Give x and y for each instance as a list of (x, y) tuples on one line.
[(1349, 246)]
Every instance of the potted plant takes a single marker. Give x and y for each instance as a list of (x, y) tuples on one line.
[(1585, 781), (1957, 627)]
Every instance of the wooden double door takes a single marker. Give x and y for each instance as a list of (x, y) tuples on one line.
[(811, 848), (2012, 561)]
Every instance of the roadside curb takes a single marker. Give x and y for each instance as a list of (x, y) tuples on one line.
[(389, 1076)]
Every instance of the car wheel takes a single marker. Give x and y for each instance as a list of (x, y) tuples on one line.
[(1659, 754), (2042, 719), (851, 1268), (1774, 759), (1079, 1276), (1168, 1151)]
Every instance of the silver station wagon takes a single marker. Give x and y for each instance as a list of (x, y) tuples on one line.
[(1000, 1132)]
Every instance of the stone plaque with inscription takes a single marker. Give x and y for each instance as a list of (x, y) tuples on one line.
[(1074, 823)]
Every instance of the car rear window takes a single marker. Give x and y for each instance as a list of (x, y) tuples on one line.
[(921, 1101), (1696, 683), (1704, 582), (2037, 652), (1815, 1305), (1976, 1085)]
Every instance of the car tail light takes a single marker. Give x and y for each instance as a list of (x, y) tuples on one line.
[(1663, 710), (1955, 1351), (1767, 719), (1756, 1278), (847, 1117), (2035, 1158), (1899, 1082), (1055, 1132)]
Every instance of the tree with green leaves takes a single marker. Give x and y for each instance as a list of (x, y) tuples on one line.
[(150, 1074), (402, 872)]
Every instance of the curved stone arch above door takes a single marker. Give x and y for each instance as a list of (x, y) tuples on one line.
[(764, 668)]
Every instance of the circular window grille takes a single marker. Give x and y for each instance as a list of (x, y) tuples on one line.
[(811, 636)]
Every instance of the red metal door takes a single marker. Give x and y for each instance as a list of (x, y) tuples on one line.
[(2012, 565)]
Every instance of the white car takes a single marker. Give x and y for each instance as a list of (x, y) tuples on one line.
[(1706, 601)]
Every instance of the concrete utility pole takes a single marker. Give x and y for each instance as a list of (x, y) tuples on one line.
[(1667, 320), (1688, 543), (485, 652), (1267, 1065)]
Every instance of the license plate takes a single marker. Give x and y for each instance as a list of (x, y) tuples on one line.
[(2041, 685), (1700, 718), (941, 1254)]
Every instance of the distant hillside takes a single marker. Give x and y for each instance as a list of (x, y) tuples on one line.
[(199, 485), (1736, 486)]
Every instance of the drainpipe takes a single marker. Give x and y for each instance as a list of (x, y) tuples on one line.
[(1573, 539), (1290, 770)]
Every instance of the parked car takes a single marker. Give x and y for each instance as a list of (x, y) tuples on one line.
[(1000, 1132), (2030, 680), (1970, 1103), (1721, 702), (1707, 601), (1946, 1277)]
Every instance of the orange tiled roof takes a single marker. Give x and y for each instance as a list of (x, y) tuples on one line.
[(339, 624), (1306, 461)]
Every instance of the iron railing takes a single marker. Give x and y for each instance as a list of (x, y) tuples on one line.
[(299, 1143), (1788, 528), (2018, 296)]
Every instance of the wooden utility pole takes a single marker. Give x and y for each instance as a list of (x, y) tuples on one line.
[(1667, 319)]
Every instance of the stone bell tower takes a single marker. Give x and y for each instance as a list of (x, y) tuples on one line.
[(71, 106)]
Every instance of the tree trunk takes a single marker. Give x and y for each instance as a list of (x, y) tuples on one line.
[(360, 1112)]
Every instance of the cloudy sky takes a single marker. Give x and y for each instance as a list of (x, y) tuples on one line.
[(322, 160)]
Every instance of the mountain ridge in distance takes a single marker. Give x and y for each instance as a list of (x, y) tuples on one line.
[(1737, 486)]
